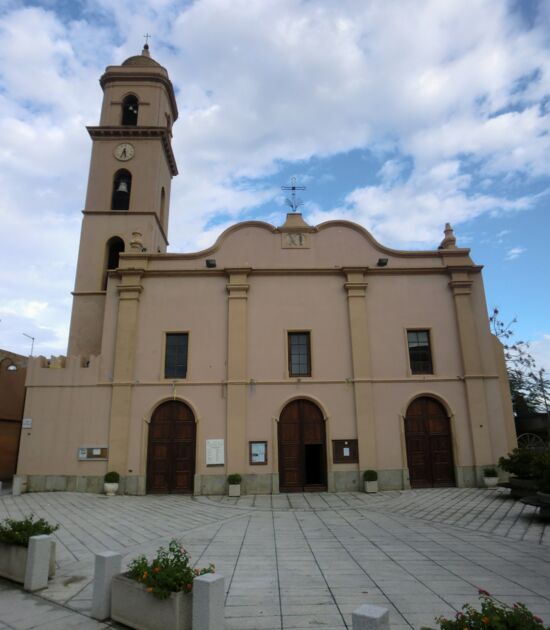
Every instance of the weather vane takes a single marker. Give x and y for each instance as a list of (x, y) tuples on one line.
[(294, 202)]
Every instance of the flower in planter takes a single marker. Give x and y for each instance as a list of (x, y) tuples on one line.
[(169, 572), (18, 532), (492, 616)]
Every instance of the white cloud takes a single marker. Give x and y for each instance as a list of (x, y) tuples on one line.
[(514, 252), (540, 349)]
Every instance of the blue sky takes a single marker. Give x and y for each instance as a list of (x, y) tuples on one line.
[(400, 116)]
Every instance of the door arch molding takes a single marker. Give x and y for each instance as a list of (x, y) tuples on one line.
[(429, 442), (171, 448)]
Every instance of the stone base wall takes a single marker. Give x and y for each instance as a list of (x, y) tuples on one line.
[(337, 481)]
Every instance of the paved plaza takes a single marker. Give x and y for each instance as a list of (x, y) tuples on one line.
[(300, 560)]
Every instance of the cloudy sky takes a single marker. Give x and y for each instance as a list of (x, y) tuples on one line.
[(399, 115)]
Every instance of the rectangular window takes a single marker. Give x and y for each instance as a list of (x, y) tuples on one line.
[(420, 353), (299, 354), (175, 360)]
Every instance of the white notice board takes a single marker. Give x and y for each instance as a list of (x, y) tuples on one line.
[(215, 453)]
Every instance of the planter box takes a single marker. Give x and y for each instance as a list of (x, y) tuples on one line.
[(490, 482), (522, 487), (371, 486), (234, 489), (133, 606), (13, 562), (110, 489)]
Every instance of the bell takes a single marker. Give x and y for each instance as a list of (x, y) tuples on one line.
[(122, 187)]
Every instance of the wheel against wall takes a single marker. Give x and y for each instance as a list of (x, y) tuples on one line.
[(429, 444)]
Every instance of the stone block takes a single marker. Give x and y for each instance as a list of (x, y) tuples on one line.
[(346, 481), (107, 565), (36, 483), (38, 563), (56, 483), (94, 484), (368, 617), (208, 602), (390, 479), (213, 484), (256, 484), (132, 484), (71, 483), (275, 483)]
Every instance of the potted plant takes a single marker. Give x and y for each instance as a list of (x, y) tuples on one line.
[(156, 595), (110, 485), (492, 614), (370, 479), (490, 477), (14, 542), (234, 482), (519, 463)]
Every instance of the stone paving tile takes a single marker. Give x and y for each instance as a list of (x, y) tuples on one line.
[(308, 560)]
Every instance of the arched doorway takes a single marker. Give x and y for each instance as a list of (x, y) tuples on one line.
[(302, 448), (429, 444), (171, 449)]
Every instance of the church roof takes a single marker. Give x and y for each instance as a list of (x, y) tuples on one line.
[(141, 60)]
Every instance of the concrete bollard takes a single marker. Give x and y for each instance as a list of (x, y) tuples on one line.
[(208, 601), (368, 617), (38, 562), (107, 565)]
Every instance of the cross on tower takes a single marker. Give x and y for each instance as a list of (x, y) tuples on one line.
[(293, 202), (147, 36)]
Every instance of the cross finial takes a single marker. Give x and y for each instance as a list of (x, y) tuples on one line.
[(147, 36), (293, 202)]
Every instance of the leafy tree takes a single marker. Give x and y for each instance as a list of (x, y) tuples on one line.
[(529, 386)]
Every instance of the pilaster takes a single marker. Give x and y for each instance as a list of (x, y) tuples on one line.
[(237, 290), (129, 291), (356, 287), (461, 286)]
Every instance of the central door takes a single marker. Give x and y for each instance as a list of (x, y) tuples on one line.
[(302, 448), (171, 449), (429, 445)]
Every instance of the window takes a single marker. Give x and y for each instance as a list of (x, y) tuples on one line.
[(299, 354), (122, 186), (175, 360), (420, 354), (162, 203), (115, 247), (130, 107)]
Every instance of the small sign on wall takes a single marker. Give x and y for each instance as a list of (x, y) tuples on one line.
[(27, 423), (215, 455), (90, 453), (258, 453)]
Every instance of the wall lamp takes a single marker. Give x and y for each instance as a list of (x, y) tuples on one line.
[(210, 263), (382, 262)]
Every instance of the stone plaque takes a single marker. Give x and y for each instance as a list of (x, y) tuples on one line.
[(215, 453), (295, 240)]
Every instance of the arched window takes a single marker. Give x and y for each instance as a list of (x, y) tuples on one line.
[(115, 247), (130, 107), (162, 203), (122, 186)]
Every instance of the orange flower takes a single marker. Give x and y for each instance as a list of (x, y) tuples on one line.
[(189, 587), (144, 574), (156, 570), (149, 589), (485, 620)]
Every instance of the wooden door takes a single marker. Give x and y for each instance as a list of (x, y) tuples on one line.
[(429, 444), (10, 432), (302, 448), (171, 449)]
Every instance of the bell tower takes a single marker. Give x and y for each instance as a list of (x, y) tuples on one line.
[(127, 201)]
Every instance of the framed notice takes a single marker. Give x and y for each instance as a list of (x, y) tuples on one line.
[(215, 453), (257, 453), (345, 452)]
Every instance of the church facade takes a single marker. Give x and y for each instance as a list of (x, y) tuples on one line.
[(298, 356)]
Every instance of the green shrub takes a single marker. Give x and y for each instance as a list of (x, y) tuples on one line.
[(493, 616), (13, 532), (169, 572), (490, 472), (370, 475), (112, 477), (519, 463), (234, 479)]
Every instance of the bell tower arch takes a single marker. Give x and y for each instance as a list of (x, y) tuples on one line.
[(131, 169)]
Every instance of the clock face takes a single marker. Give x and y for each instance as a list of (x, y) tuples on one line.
[(124, 152)]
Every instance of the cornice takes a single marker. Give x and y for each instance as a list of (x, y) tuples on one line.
[(109, 132), (130, 213)]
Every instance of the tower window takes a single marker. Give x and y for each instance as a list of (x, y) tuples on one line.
[(420, 352), (122, 186), (130, 107), (115, 247)]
